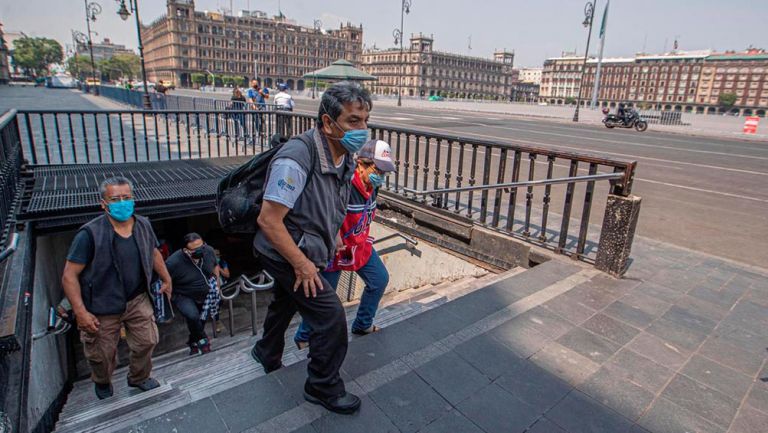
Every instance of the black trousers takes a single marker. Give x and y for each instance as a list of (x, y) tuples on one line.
[(324, 314), (190, 309)]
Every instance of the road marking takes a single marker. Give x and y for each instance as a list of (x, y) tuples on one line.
[(432, 117), (709, 191)]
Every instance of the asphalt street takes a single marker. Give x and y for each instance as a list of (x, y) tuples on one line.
[(706, 194)]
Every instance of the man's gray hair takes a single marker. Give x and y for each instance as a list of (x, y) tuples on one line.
[(117, 180), (339, 94)]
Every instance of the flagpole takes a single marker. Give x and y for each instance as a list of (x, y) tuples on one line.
[(596, 87)]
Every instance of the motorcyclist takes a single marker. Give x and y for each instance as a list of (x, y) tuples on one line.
[(622, 113)]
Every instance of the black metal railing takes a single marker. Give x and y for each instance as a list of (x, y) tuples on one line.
[(10, 174), (118, 136), (535, 193), (527, 191)]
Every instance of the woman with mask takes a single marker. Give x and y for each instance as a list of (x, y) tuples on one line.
[(193, 269), (356, 253)]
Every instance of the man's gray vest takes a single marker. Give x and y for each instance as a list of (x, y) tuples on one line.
[(319, 211), (101, 283)]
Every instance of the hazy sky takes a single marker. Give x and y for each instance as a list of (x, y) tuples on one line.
[(535, 29)]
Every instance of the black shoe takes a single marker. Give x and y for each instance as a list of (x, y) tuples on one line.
[(345, 404), (255, 355), (149, 383), (103, 391)]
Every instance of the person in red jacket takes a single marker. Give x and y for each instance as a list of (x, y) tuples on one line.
[(374, 160)]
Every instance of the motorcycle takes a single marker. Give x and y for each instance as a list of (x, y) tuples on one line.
[(631, 119)]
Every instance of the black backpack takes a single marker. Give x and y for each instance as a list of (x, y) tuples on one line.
[(240, 193)]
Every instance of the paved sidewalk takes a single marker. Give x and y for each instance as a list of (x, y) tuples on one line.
[(679, 345)]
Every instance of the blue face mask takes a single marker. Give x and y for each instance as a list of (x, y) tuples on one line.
[(354, 140), (121, 210), (376, 180)]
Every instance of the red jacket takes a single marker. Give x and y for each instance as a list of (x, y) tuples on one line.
[(354, 231)]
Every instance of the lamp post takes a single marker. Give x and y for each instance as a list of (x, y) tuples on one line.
[(589, 15), (91, 10), (318, 25), (398, 34), (124, 14)]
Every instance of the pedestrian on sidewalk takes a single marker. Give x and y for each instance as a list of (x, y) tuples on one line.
[(305, 198), (237, 106), (283, 99), (357, 254), (194, 270), (106, 279)]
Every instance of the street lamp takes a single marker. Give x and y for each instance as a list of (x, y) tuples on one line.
[(124, 13), (589, 15), (398, 34), (91, 10), (318, 25)]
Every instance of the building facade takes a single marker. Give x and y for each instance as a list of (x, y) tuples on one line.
[(103, 50), (186, 41), (530, 75), (422, 72), (560, 78), (524, 92), (5, 70), (691, 82)]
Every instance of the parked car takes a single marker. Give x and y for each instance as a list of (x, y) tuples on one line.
[(61, 81), (436, 98)]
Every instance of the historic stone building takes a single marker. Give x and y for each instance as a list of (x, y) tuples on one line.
[(425, 72), (530, 75), (560, 78), (681, 81), (103, 50), (186, 41)]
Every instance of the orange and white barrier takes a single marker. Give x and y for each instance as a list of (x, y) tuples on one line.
[(750, 125)]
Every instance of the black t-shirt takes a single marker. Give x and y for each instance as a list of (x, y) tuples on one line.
[(190, 278), (127, 256)]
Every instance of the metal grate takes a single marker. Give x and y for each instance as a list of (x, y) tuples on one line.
[(64, 191)]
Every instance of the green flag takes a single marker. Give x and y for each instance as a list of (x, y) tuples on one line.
[(605, 19)]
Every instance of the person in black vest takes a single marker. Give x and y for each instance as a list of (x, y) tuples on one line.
[(192, 268), (305, 200), (106, 279)]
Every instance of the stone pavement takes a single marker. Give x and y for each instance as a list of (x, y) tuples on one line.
[(679, 345)]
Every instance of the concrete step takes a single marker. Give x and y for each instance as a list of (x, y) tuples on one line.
[(186, 379)]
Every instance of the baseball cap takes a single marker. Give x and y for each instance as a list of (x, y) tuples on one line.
[(380, 153)]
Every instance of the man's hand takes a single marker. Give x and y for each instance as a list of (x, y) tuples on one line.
[(87, 322), (339, 244), (308, 279), (165, 287)]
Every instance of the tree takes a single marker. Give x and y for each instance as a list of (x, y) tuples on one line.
[(35, 55), (727, 100), (120, 66), (570, 100), (198, 78), (228, 80), (79, 67), (239, 81)]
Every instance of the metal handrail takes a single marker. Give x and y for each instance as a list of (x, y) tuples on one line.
[(510, 185), (12, 246), (265, 282), (247, 285)]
